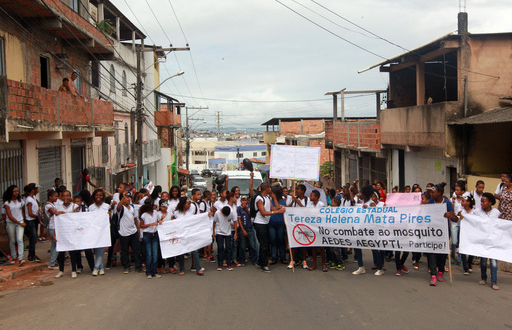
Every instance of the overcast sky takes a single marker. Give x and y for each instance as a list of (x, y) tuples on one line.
[(259, 50)]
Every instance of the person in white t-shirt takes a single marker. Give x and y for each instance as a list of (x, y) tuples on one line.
[(174, 199), (316, 203), (50, 210), (149, 220), (15, 221), (501, 187), (264, 210), (477, 193), (67, 207), (99, 205), (31, 209), (288, 198), (128, 234), (460, 193), (223, 221)]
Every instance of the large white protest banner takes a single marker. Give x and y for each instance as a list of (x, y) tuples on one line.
[(418, 228), (486, 237), (185, 234), (292, 162), (83, 230)]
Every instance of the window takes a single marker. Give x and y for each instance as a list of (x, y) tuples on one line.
[(95, 73), (239, 155), (112, 79), (75, 5), (45, 71), (104, 149), (263, 153), (123, 81), (2, 58), (126, 136), (255, 154)]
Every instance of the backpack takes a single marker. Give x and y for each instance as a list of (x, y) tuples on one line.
[(252, 205), (305, 202), (197, 208), (115, 221), (43, 217)]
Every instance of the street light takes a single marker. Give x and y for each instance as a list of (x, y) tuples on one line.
[(160, 84)]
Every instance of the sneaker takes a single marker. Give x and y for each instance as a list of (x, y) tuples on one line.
[(359, 271), (149, 277), (102, 271), (73, 275), (21, 262), (290, 265), (126, 271), (234, 263), (79, 270), (398, 272), (265, 269), (333, 266), (53, 267), (305, 265), (230, 268), (211, 259), (433, 281), (158, 276), (440, 276), (379, 272), (340, 267), (405, 270), (242, 264), (416, 266), (30, 259), (59, 275), (219, 268), (466, 272), (37, 259), (224, 264), (95, 272)]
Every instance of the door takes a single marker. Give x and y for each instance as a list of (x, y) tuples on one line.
[(77, 166), (50, 162)]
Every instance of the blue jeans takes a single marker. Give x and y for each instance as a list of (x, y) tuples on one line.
[(98, 258), (253, 245), (454, 232), (151, 243), (234, 246), (277, 241), (494, 270), (223, 249), (197, 261), (31, 230), (53, 249), (358, 256), (15, 233)]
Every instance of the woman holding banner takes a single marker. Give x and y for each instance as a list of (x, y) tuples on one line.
[(468, 207), (148, 222), (67, 207), (98, 196), (437, 261)]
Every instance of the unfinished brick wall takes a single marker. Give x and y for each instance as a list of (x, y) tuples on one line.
[(31, 102), (357, 134), (292, 128)]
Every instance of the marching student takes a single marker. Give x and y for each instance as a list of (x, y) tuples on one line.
[(366, 198), (31, 217), (276, 229), (487, 201), (174, 199), (51, 211), (246, 230), (15, 211), (468, 207), (505, 206), (89, 253), (67, 207), (205, 207), (223, 221), (477, 193), (459, 193), (129, 233), (299, 200), (99, 204), (195, 200), (316, 203), (148, 222), (436, 261)]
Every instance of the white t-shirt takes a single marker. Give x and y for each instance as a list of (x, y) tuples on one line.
[(260, 219), (141, 202), (500, 188), (115, 197), (478, 200), (457, 206), (289, 200), (102, 207), (493, 213), (34, 208), (47, 207), (205, 206), (59, 202), (127, 222), (172, 203), (223, 224), (16, 208), (304, 201), (239, 201), (178, 214), (345, 202), (319, 204), (149, 218), (218, 205), (168, 216), (67, 209)]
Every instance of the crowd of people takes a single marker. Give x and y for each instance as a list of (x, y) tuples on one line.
[(246, 229)]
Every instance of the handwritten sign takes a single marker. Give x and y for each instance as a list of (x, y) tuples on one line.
[(80, 231), (292, 162)]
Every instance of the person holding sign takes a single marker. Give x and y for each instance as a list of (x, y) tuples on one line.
[(467, 207), (261, 222), (98, 196), (487, 201), (67, 207), (437, 261)]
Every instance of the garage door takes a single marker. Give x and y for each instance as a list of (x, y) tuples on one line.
[(50, 161)]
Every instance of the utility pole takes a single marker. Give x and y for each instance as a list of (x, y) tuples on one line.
[(139, 111), (218, 125), (187, 132)]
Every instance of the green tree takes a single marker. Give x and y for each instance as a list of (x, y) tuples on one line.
[(327, 169)]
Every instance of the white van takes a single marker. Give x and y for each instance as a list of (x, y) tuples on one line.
[(241, 179)]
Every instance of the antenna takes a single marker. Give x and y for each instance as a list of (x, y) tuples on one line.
[(462, 6)]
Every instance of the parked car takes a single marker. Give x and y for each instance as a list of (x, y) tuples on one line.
[(206, 172), (218, 171), (199, 181)]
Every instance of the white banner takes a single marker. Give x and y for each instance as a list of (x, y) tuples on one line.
[(80, 231), (486, 237), (185, 234), (418, 228), (294, 162)]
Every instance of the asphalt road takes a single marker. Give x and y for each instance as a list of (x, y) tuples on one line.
[(246, 298)]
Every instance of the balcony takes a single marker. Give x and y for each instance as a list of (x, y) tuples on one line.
[(46, 110), (422, 126), (353, 134)]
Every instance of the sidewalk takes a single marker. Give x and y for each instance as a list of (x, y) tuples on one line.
[(8, 272)]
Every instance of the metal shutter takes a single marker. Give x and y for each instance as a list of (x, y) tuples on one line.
[(50, 160), (11, 169)]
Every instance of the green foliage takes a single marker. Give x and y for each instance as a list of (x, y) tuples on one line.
[(327, 169), (105, 26)]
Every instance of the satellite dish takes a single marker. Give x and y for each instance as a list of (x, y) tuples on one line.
[(248, 164)]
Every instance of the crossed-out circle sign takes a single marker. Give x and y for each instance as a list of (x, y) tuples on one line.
[(303, 235), (174, 240)]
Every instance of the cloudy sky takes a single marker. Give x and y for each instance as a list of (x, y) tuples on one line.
[(265, 54)]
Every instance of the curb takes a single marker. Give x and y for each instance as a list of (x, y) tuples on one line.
[(23, 271)]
